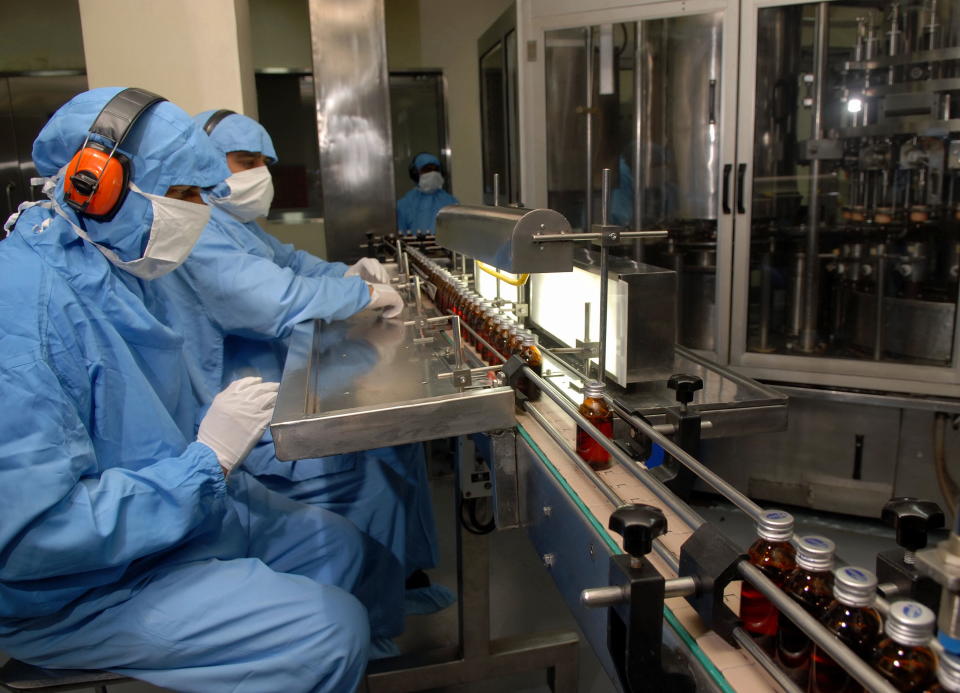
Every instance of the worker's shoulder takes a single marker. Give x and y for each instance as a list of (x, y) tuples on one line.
[(411, 195), (37, 303), (24, 291)]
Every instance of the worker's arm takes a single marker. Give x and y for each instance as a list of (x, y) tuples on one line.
[(252, 296), (64, 515), (300, 261)]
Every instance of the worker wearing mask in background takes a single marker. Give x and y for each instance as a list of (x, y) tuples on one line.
[(124, 547), (417, 210), (384, 491)]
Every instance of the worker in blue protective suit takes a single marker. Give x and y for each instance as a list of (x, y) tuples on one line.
[(417, 210), (125, 545), (251, 286)]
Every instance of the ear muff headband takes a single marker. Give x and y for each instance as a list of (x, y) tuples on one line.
[(97, 176), (215, 118)]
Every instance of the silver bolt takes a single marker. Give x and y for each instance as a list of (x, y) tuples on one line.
[(549, 559), (547, 510)]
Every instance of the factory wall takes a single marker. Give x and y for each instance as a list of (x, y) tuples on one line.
[(41, 36), (197, 54)]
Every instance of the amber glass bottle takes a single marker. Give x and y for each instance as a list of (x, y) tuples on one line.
[(856, 624), (811, 586), (597, 412), (473, 307), (515, 343), (948, 675), (903, 658), (479, 320), (775, 556), (531, 356), (490, 335), (503, 337)]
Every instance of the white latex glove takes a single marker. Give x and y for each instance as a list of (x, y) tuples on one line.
[(386, 297), (237, 418), (369, 270)]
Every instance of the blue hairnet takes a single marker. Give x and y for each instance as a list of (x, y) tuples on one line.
[(424, 159), (164, 147), (238, 133)]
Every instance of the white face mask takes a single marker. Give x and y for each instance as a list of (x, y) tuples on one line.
[(251, 193), (430, 182), (177, 224)]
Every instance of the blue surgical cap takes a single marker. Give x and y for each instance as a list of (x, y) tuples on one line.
[(238, 133), (424, 159), (164, 147)]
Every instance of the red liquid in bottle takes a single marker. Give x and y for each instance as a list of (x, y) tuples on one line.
[(595, 410)]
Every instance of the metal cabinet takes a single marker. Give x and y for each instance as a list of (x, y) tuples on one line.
[(805, 158), (847, 251), (27, 100)]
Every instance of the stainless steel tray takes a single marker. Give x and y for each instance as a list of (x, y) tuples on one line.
[(366, 383)]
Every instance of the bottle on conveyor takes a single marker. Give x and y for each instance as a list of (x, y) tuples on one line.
[(810, 584), (596, 410), (948, 675), (776, 558), (856, 623), (903, 657), (530, 355)]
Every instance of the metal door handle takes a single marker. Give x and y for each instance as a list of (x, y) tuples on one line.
[(741, 175), (712, 116), (726, 187), (9, 188)]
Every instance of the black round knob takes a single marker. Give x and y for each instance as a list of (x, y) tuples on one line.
[(685, 385), (639, 525), (912, 518)]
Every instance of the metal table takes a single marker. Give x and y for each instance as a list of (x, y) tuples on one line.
[(367, 382)]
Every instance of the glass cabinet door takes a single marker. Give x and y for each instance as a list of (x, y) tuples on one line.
[(499, 118), (849, 251), (653, 100)]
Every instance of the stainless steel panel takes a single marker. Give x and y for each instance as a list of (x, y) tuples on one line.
[(814, 463), (698, 305), (911, 327), (503, 237), (353, 122), (506, 487), (365, 383), (579, 559)]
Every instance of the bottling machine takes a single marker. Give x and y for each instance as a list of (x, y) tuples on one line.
[(708, 205), (802, 157)]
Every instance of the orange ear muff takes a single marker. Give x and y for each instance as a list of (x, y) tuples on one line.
[(96, 182)]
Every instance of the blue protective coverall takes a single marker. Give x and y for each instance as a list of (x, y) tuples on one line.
[(121, 545), (241, 284), (417, 210)]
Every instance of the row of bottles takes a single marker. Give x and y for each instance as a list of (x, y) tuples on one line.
[(500, 338), (843, 601)]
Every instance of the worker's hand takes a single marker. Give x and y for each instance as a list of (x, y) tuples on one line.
[(369, 270), (237, 419), (386, 297)]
